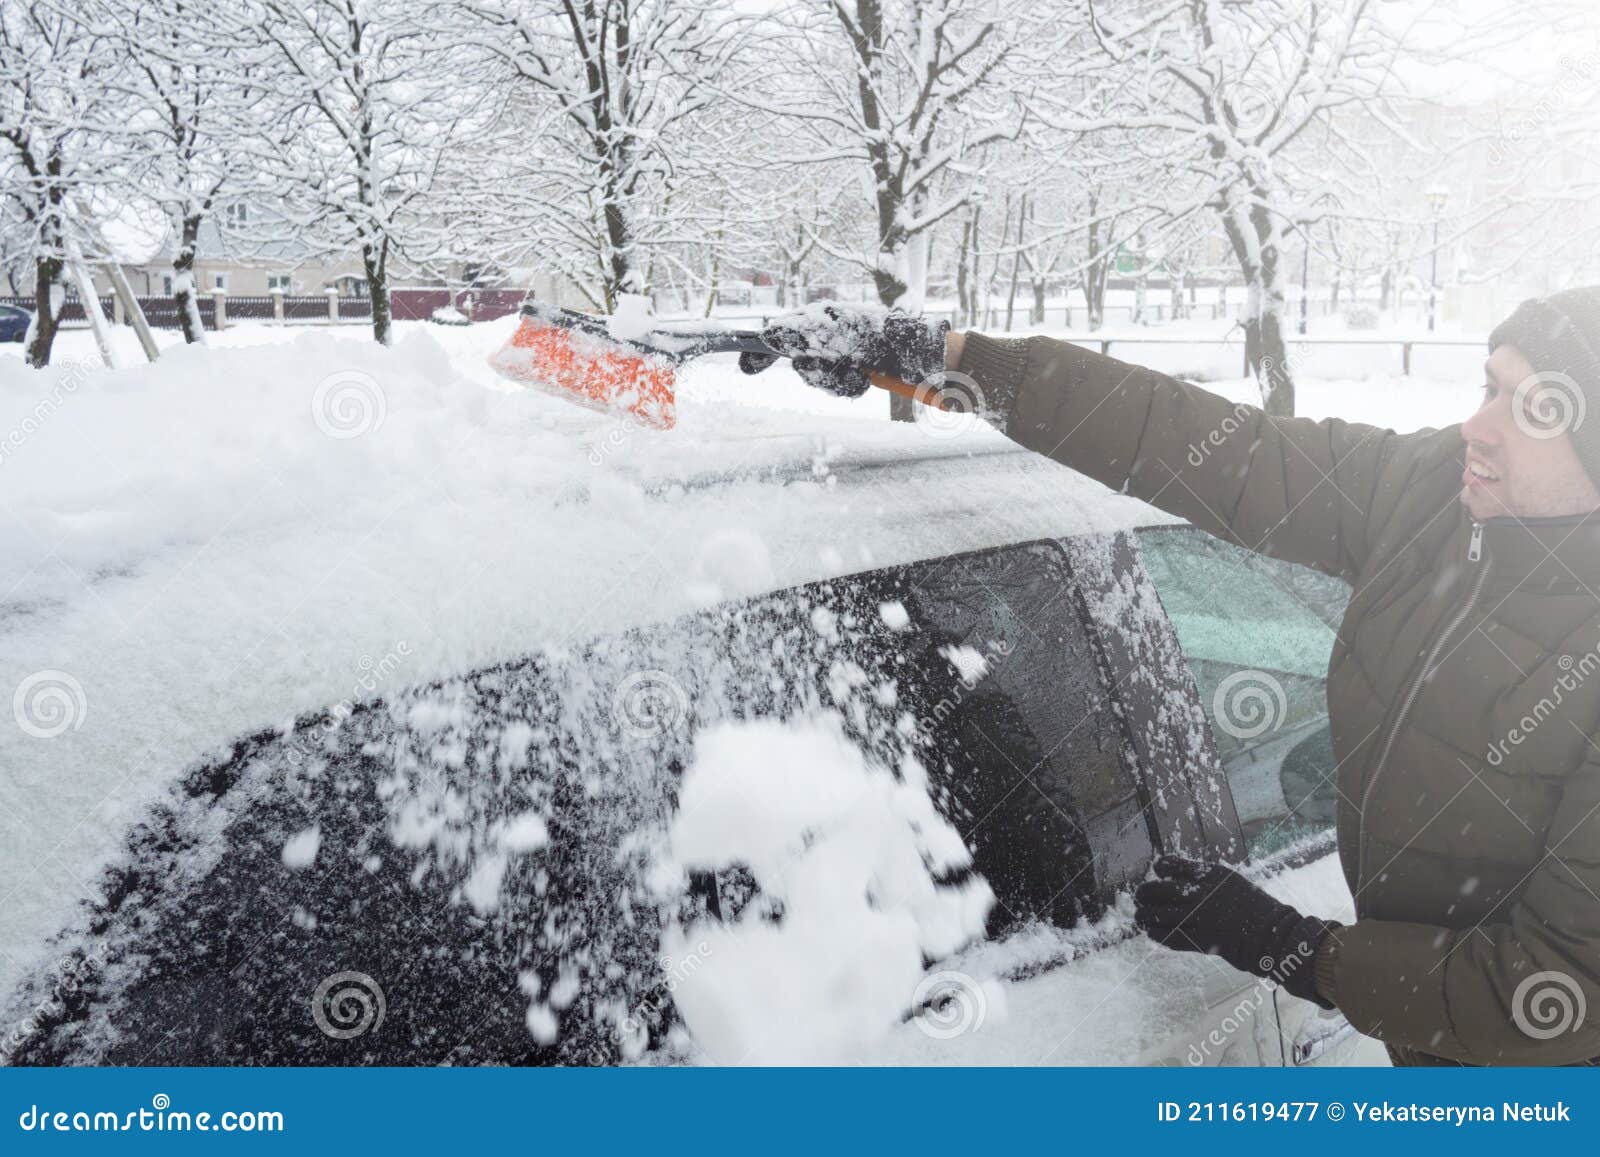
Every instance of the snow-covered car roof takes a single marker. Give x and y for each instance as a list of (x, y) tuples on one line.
[(237, 535)]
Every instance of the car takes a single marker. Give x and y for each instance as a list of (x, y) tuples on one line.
[(14, 322), (469, 871)]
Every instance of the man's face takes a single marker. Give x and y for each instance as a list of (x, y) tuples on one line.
[(1520, 459)]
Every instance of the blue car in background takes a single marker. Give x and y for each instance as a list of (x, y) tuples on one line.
[(14, 323)]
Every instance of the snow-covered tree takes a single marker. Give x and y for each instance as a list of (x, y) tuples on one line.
[(360, 107), (908, 93), (61, 147), (591, 137), (189, 92), (1230, 97)]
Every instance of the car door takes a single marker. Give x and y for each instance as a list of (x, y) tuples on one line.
[(1257, 633), (474, 857)]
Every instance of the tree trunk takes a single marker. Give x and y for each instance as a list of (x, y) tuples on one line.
[(183, 288), (1094, 273), (1016, 263), (375, 262), (1036, 313), (1257, 245), (963, 282), (48, 297)]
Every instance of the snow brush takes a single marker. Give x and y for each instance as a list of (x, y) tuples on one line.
[(629, 368)]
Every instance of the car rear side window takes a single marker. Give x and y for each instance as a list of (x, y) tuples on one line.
[(1023, 740), (1257, 634)]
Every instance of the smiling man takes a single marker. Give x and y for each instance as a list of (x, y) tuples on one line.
[(1463, 716)]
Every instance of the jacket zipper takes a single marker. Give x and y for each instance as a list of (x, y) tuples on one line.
[(1474, 554)]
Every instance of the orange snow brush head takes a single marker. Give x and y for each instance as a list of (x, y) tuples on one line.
[(628, 365), (573, 356)]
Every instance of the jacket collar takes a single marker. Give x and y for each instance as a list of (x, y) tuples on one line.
[(1545, 554)]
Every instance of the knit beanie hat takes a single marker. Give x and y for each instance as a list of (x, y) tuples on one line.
[(1560, 337)]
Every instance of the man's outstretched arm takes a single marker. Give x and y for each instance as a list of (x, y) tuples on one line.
[(1291, 487)]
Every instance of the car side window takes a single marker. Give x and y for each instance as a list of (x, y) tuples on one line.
[(1257, 634), (997, 667)]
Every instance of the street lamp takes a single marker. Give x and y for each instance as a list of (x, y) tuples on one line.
[(1438, 197)]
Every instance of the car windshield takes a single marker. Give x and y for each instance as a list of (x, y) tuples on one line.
[(1257, 634)]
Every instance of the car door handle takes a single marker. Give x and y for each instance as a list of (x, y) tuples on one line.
[(1321, 1035)]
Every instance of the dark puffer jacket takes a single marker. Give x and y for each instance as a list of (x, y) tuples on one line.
[(1463, 694)]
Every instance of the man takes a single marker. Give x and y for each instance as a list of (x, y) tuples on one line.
[(1464, 687)]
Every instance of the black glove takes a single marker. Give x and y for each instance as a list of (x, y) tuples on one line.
[(833, 346), (1197, 907)]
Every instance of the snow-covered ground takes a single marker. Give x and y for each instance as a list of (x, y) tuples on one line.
[(294, 517)]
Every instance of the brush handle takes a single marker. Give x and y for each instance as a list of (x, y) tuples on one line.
[(927, 395), (679, 345)]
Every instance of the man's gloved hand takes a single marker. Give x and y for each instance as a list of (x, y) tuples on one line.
[(1198, 907), (833, 346)]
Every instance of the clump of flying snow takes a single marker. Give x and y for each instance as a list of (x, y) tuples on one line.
[(845, 853), (894, 615), (300, 851), (632, 318), (969, 662)]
